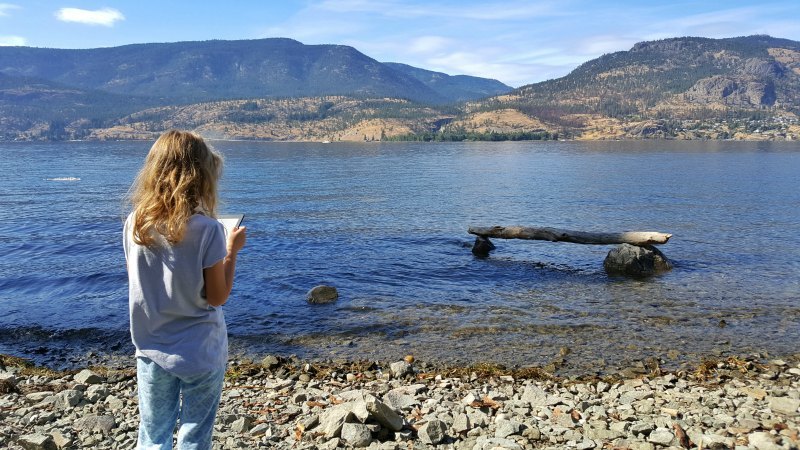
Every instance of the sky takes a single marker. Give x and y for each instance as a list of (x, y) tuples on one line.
[(516, 42)]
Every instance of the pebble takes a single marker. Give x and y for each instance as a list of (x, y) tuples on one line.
[(270, 405)]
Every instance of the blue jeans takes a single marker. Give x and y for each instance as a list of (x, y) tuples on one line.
[(165, 398)]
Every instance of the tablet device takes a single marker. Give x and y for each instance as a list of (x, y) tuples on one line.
[(230, 222)]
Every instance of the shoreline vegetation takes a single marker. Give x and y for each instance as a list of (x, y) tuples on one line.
[(315, 120), (750, 401)]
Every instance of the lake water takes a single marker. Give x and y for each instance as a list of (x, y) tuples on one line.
[(386, 223)]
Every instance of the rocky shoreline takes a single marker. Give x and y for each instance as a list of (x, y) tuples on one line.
[(283, 403)]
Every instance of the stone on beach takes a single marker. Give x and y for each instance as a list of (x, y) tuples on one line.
[(432, 432), (784, 405), (356, 434), (400, 369), (265, 408), (37, 442), (93, 422), (86, 376)]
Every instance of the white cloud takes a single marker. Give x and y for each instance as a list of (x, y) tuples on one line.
[(12, 41), (429, 44), (489, 11), (105, 17), (6, 7)]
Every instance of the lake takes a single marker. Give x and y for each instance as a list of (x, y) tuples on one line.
[(386, 223)]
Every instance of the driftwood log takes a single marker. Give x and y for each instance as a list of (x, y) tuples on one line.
[(578, 237), (635, 255)]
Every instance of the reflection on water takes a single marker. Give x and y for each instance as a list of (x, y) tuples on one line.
[(386, 224)]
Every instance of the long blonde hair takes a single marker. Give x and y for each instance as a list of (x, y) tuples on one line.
[(179, 178)]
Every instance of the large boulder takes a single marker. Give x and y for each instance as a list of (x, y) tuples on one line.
[(636, 261)]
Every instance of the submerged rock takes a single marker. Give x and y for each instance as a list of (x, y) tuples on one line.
[(322, 294), (636, 261)]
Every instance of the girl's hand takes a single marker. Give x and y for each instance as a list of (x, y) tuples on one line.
[(236, 240)]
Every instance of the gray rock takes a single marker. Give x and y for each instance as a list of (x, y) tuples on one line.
[(506, 428), (270, 362), (469, 399), (36, 397), (384, 415), (322, 294), (636, 261), (478, 418), (359, 409), (332, 419), (716, 441), (631, 396), (531, 432), (784, 405), (432, 432), (534, 395), (399, 401), (487, 443), (460, 423), (93, 422), (114, 403), (61, 440), (762, 441), (400, 369), (96, 392), (262, 429), (639, 445), (8, 383), (67, 399), (241, 425), (86, 376), (642, 428), (356, 434), (661, 436), (36, 442)]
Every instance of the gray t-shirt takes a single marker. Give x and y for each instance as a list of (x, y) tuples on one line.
[(171, 321)]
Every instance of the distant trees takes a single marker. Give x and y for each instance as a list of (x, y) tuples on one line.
[(459, 136)]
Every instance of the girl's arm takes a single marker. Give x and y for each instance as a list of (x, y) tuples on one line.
[(219, 277)]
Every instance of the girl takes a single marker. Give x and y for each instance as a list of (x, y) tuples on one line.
[(180, 273)]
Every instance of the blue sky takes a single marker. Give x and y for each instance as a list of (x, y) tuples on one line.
[(517, 42)]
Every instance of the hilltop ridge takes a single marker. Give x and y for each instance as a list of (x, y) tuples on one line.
[(659, 88), (280, 89)]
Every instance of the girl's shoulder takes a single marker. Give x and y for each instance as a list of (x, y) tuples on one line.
[(202, 221)]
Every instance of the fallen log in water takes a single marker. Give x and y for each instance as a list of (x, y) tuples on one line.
[(635, 255), (639, 238)]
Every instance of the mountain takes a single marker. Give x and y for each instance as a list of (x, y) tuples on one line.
[(190, 72), (679, 79), (279, 89), (457, 87), (34, 104)]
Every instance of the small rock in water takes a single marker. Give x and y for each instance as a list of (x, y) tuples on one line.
[(636, 261), (322, 294)]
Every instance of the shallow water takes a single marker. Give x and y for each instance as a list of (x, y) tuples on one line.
[(386, 224)]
